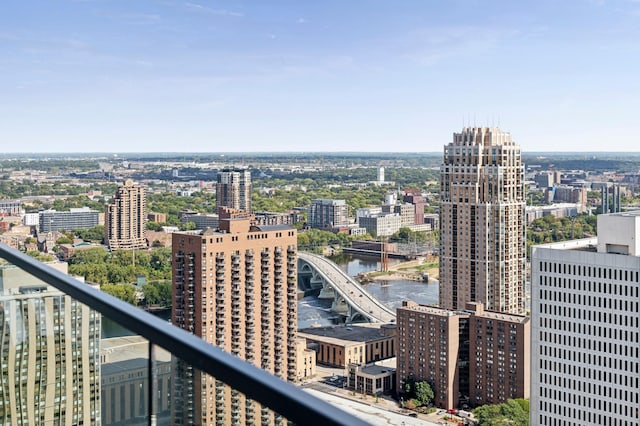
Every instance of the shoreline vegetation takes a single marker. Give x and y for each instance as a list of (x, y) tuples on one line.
[(412, 270)]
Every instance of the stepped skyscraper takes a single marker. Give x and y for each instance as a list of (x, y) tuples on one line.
[(482, 230)]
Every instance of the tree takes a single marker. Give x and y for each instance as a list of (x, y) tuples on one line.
[(91, 234), (42, 257), (157, 293), (151, 294), (514, 412), (64, 240), (420, 393), (424, 393), (154, 226), (125, 292)]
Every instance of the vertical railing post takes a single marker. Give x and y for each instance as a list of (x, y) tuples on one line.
[(153, 385)]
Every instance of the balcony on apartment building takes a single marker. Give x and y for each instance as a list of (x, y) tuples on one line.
[(141, 362)]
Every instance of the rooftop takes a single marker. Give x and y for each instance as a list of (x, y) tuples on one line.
[(353, 333)]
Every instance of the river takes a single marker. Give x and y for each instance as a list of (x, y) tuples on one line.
[(314, 311)]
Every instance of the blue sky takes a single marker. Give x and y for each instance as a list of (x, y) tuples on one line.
[(326, 75)]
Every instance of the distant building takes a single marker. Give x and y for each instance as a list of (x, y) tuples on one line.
[(418, 204), (327, 214), (406, 211), (380, 174), (201, 220), (557, 210), (233, 189), (76, 218), (355, 344), (157, 217), (10, 208), (68, 250), (545, 180), (469, 357), (432, 219), (569, 194), (368, 212), (126, 218), (482, 230), (31, 219), (585, 315), (306, 360), (383, 225), (271, 218)]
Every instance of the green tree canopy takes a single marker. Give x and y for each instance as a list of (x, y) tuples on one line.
[(419, 392), (91, 234), (424, 393), (125, 292), (514, 412)]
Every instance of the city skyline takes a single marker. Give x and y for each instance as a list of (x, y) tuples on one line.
[(224, 77)]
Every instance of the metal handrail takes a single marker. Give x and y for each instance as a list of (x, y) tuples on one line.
[(259, 385)]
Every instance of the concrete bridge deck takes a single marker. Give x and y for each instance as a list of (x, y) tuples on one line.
[(350, 297)]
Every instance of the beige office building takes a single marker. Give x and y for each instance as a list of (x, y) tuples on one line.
[(125, 218), (482, 231), (339, 346), (471, 357), (237, 289), (305, 360)]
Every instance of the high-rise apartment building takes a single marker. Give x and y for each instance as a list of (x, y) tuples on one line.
[(482, 231), (233, 189), (237, 289), (327, 213), (49, 352), (125, 218), (585, 335), (469, 357)]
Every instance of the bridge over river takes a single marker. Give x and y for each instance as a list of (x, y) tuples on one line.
[(349, 297)]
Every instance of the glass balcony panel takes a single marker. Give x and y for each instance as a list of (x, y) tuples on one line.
[(112, 375), (86, 369), (199, 398)]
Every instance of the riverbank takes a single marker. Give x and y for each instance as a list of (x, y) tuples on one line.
[(412, 270)]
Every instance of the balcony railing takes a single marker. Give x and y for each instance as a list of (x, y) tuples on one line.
[(282, 397)]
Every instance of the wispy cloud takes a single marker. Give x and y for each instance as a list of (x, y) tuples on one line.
[(195, 7), (433, 45)]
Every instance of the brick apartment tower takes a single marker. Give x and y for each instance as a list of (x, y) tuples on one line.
[(482, 232), (237, 289), (125, 218), (471, 357), (233, 189)]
